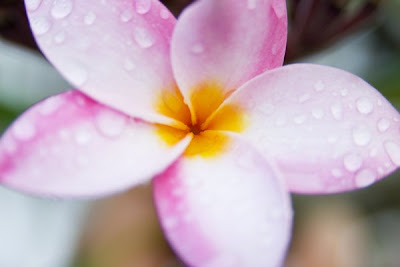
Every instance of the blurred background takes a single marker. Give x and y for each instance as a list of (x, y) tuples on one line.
[(361, 228)]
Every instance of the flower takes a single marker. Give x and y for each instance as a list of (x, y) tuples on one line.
[(205, 108)]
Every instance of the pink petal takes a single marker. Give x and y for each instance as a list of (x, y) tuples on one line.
[(69, 145), (328, 130), (228, 42), (229, 211), (115, 51)]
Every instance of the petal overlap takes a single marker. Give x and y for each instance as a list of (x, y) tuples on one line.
[(224, 43), (115, 51), (328, 130), (232, 210), (69, 145)]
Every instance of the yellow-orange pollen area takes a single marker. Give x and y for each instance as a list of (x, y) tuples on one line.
[(206, 119)]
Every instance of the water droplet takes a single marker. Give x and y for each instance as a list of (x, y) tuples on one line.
[(143, 37), (299, 119), (373, 152), (197, 48), (266, 109), (40, 25), (128, 65), (164, 13), (319, 86), (50, 105), (352, 162), (126, 15), (10, 145), (280, 121), (274, 49), (143, 6), (337, 173), (393, 150), (361, 135), (82, 136), (251, 4), (61, 8), (364, 105), (365, 177), (344, 92), (337, 111), (279, 8), (59, 38), (111, 123), (90, 18), (303, 98), (63, 134), (170, 222), (383, 125), (32, 5), (24, 130), (317, 113), (76, 73)]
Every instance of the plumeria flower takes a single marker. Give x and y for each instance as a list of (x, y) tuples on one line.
[(205, 108)]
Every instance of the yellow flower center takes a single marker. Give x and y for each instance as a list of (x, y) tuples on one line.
[(204, 119)]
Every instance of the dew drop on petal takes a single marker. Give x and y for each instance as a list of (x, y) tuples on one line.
[(337, 111), (251, 4), (274, 49), (50, 105), (170, 222), (344, 92), (32, 5), (300, 119), (40, 25), (59, 38), (143, 37), (280, 121), (393, 151), (24, 130), (279, 8), (197, 48), (352, 162), (383, 125), (128, 65), (126, 15), (364, 105), (82, 136), (373, 152), (61, 8), (110, 123), (90, 18), (317, 113), (361, 135), (266, 109), (10, 145), (143, 6), (337, 173), (319, 86), (164, 13), (303, 98), (364, 178), (76, 73)]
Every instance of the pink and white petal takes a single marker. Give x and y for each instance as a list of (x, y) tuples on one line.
[(115, 51), (70, 145), (228, 42), (328, 130), (232, 210)]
